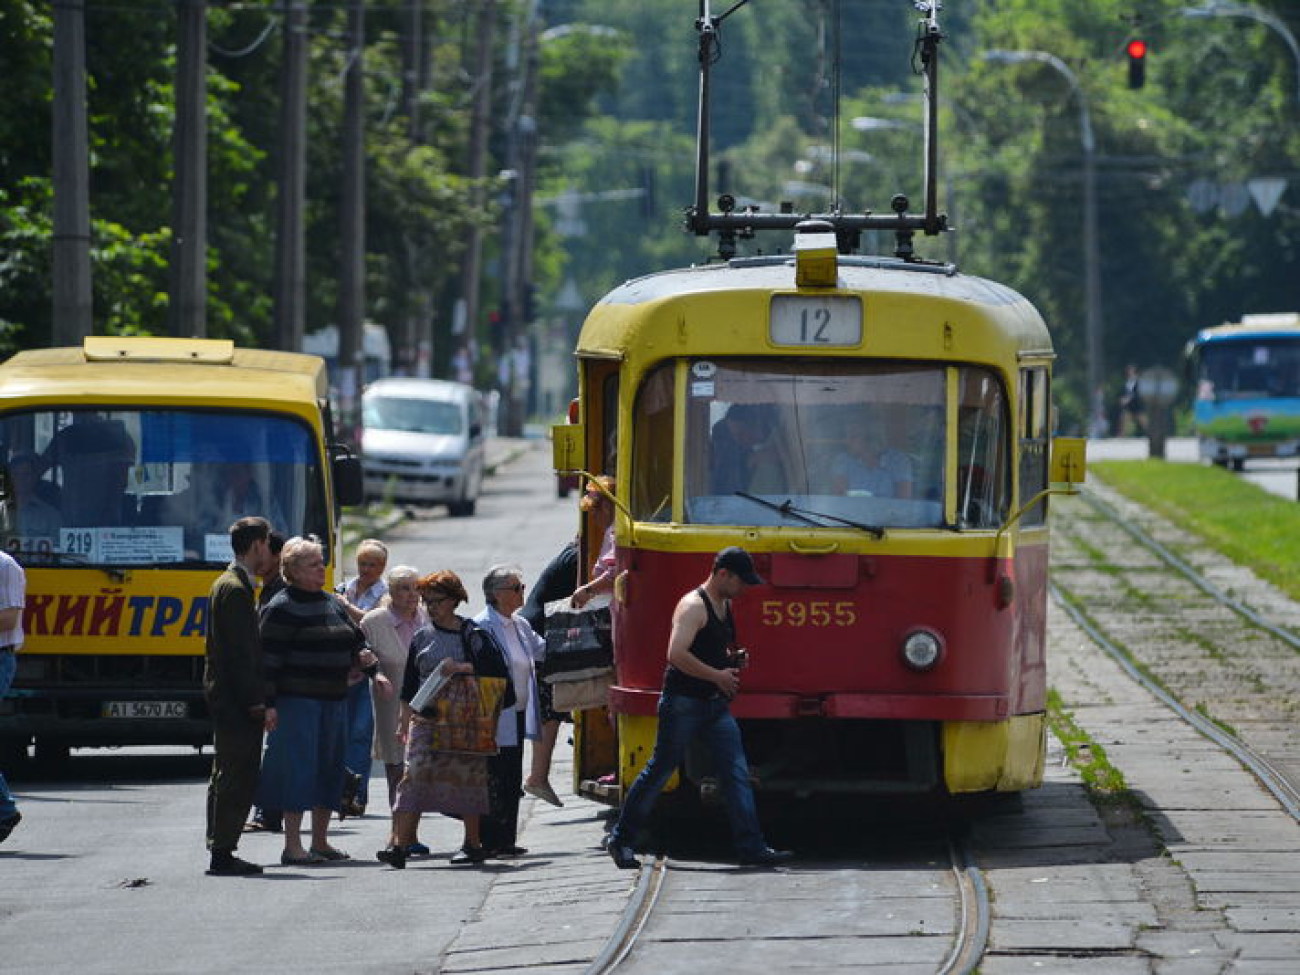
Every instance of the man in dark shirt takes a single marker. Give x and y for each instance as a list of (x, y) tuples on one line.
[(732, 445), (236, 693), (702, 676)]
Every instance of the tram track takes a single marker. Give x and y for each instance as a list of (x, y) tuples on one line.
[(1182, 648), (821, 947)]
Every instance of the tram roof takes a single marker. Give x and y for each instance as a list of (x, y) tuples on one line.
[(1013, 314), (163, 371)]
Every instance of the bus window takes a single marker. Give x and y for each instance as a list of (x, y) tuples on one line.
[(149, 487), (982, 475), (652, 446), (853, 440)]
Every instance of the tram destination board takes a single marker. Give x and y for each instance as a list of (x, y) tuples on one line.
[(824, 320)]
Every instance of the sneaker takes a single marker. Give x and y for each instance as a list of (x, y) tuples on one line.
[(394, 856), (766, 857), (229, 865), (624, 857), (7, 825), (417, 850)]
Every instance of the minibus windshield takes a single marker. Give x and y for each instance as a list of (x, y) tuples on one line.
[(129, 487)]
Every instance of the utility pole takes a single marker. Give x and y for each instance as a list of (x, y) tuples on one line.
[(71, 251), (352, 283), (187, 309), (480, 121), (415, 343), (516, 239), (290, 244)]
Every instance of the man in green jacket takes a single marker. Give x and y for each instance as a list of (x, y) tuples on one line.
[(236, 693)]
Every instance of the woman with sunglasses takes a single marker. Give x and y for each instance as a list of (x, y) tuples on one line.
[(503, 588), (452, 783)]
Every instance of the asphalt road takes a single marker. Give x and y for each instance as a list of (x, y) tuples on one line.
[(106, 871)]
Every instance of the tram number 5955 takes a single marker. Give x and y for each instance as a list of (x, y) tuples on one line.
[(817, 612)]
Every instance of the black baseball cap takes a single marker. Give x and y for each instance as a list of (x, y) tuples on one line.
[(737, 561)]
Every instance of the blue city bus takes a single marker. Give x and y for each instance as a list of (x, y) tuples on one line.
[(1246, 377)]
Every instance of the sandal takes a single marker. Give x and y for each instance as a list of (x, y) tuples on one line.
[(308, 859), (329, 853)]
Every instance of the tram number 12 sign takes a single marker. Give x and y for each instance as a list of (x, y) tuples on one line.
[(823, 321)]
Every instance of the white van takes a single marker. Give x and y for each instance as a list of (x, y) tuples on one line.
[(422, 441)]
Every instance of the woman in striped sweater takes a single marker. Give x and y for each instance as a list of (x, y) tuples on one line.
[(309, 643)]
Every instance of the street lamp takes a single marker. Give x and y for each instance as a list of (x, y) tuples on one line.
[(1221, 8), (1091, 261)]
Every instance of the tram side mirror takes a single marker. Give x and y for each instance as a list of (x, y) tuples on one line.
[(1069, 461), (569, 447), (348, 486)]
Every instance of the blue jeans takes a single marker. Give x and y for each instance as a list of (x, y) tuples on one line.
[(361, 735), (681, 721), (8, 664)]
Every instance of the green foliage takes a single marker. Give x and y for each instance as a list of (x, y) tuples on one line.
[(616, 117), (1248, 524)]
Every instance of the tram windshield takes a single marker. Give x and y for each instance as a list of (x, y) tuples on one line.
[(151, 487), (849, 441), (1256, 368)]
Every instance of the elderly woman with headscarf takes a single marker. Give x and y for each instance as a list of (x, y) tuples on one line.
[(309, 644), (436, 779)]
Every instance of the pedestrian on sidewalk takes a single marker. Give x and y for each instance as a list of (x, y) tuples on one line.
[(364, 592), (702, 676), (558, 581), (309, 644), (503, 588), (235, 689), (13, 595)]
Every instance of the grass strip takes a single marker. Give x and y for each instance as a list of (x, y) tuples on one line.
[(1249, 525), (1102, 779)]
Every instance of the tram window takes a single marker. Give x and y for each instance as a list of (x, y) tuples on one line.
[(652, 446), (1033, 442), (848, 439), (982, 474)]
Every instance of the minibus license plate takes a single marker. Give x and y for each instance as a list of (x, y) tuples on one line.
[(145, 709)]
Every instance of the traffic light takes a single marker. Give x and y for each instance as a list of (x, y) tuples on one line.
[(1137, 62)]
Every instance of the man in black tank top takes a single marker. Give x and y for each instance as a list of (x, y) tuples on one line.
[(702, 677)]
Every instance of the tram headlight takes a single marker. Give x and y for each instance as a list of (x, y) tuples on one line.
[(922, 649)]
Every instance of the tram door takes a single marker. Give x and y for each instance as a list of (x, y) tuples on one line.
[(595, 743)]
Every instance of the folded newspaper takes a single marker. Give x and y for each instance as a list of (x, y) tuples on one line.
[(432, 686)]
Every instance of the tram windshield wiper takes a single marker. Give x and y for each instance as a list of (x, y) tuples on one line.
[(785, 508), (790, 509)]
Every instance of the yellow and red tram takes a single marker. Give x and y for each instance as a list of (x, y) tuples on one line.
[(876, 432), (878, 438)]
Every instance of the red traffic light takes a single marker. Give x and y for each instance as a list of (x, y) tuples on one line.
[(1137, 62)]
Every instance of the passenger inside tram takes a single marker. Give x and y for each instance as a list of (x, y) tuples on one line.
[(868, 467)]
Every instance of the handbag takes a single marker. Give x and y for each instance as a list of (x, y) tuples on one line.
[(583, 693), (577, 640), (465, 715)]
